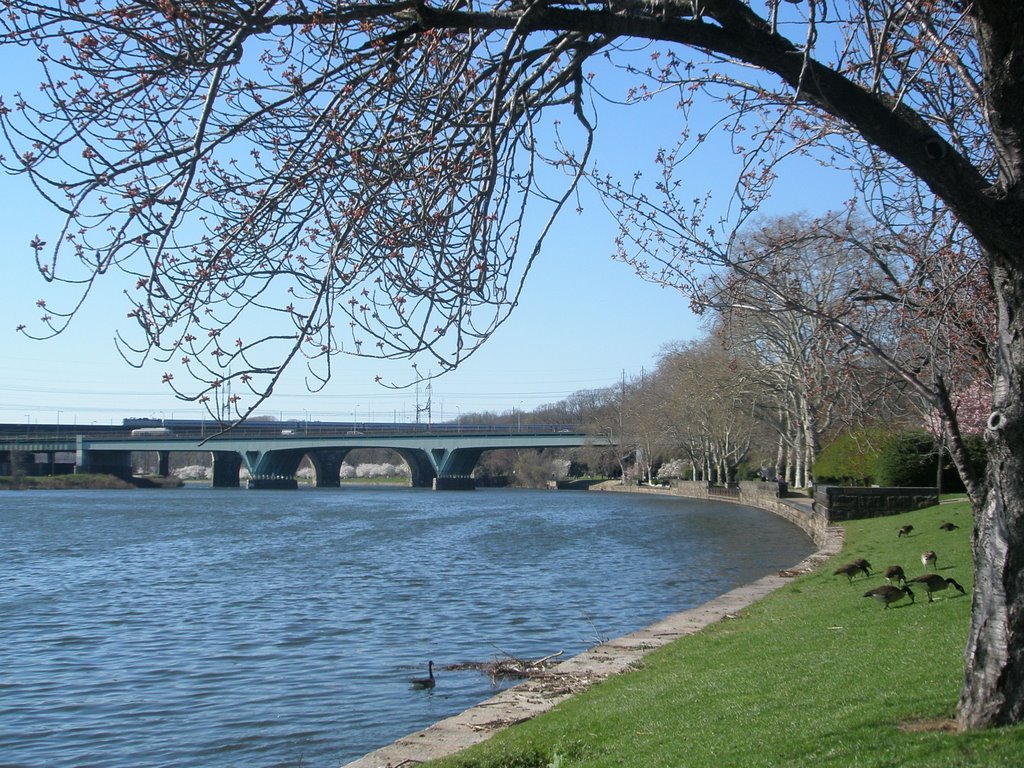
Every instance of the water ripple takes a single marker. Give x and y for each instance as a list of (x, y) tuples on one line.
[(226, 628)]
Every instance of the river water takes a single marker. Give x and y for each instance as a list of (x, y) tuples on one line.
[(219, 627)]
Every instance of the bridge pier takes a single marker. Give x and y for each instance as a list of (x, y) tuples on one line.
[(327, 466), (163, 461), (116, 463), (455, 483), (265, 483), (226, 468)]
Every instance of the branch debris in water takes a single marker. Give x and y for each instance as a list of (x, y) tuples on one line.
[(509, 667)]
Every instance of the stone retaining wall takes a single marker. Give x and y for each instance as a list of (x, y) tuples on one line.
[(840, 503), (831, 504), (799, 510)]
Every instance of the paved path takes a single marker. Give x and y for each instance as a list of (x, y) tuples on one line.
[(537, 695)]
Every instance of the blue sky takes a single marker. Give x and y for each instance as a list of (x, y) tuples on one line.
[(583, 320)]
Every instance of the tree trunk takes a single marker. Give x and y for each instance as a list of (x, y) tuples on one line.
[(940, 450), (780, 456), (993, 691), (812, 446), (798, 454)]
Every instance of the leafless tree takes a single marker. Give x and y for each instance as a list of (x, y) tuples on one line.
[(708, 405), (282, 183), (817, 303), (362, 177)]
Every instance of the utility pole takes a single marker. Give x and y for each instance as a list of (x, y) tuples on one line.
[(420, 409)]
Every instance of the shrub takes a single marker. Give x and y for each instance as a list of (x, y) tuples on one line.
[(903, 459), (746, 470), (907, 460), (850, 458)]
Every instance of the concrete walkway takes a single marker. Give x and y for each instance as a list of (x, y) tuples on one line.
[(539, 694)]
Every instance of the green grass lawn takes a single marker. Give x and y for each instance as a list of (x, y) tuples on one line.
[(814, 675)]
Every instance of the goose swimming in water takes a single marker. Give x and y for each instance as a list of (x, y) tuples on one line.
[(424, 682)]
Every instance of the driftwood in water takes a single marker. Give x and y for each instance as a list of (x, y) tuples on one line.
[(509, 667)]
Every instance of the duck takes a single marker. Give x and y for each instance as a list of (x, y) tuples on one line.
[(929, 557), (932, 582), (887, 594), (851, 569), (422, 683), (895, 573), (904, 531), (948, 527)]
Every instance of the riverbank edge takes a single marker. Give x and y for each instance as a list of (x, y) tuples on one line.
[(537, 695)]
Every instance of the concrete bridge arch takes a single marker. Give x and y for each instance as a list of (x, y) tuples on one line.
[(442, 458)]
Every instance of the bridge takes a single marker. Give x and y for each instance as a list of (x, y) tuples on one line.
[(438, 456)]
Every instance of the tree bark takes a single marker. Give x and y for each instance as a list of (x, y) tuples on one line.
[(780, 454), (993, 690)]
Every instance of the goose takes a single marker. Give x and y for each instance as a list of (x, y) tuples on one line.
[(904, 531), (851, 569), (932, 582), (948, 527), (895, 573), (864, 565), (929, 557), (424, 682), (887, 593)]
